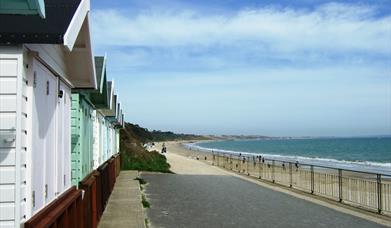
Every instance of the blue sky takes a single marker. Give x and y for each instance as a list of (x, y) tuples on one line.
[(279, 68)]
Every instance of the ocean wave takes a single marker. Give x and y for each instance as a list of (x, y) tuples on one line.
[(362, 166)]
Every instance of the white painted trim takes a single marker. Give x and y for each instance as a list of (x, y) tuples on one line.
[(41, 8), (103, 73), (112, 94), (51, 69), (73, 30), (18, 144), (29, 158), (89, 46)]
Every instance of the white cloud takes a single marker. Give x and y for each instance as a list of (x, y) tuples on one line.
[(335, 28)]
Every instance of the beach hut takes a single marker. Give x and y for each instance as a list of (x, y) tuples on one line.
[(41, 60), (101, 99), (117, 123), (108, 114), (87, 125), (82, 136)]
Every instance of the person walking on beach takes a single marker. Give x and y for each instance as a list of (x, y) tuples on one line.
[(164, 148)]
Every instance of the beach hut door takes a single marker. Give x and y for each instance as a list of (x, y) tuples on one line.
[(43, 135), (63, 137)]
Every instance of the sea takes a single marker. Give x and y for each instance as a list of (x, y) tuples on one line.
[(371, 154)]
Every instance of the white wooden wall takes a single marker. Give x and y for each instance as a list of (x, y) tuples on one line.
[(13, 133), (101, 138), (44, 103), (118, 140), (106, 144), (50, 158), (96, 139), (63, 158)]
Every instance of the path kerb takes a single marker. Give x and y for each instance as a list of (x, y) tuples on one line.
[(124, 208)]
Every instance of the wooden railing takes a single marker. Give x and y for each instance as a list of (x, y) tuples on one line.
[(66, 211), (83, 207)]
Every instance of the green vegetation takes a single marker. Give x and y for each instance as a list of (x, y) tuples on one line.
[(141, 180), (145, 202), (143, 135), (135, 157)]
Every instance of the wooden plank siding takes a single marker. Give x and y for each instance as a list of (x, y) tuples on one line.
[(82, 138), (13, 133)]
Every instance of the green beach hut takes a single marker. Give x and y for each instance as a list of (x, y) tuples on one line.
[(82, 136), (94, 123)]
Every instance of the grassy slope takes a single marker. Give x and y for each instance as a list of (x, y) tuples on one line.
[(135, 157)]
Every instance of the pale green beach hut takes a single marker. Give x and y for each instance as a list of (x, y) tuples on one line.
[(82, 136), (87, 124)]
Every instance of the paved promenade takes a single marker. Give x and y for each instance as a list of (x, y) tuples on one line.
[(124, 209), (200, 195)]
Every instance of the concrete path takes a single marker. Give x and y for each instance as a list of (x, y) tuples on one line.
[(124, 208), (199, 195)]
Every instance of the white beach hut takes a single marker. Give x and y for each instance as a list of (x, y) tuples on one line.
[(40, 61), (107, 125)]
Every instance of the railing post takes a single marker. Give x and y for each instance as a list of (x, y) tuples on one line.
[(290, 175), (248, 161), (340, 184), (379, 193), (259, 168), (239, 162), (213, 156), (230, 161), (312, 179), (217, 158), (273, 177)]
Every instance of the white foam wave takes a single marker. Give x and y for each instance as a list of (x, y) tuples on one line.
[(363, 166)]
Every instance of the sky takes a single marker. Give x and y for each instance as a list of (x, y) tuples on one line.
[(276, 68)]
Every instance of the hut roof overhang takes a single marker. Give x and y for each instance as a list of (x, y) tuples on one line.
[(99, 97), (66, 24), (23, 7), (116, 118), (110, 111)]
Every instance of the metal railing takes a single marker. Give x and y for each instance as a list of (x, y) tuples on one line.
[(371, 191)]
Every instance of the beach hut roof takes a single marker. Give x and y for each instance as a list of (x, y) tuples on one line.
[(115, 116), (66, 23), (25, 7), (110, 110), (100, 70), (100, 97), (61, 18)]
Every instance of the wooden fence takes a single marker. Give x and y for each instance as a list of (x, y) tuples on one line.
[(82, 207), (66, 211)]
